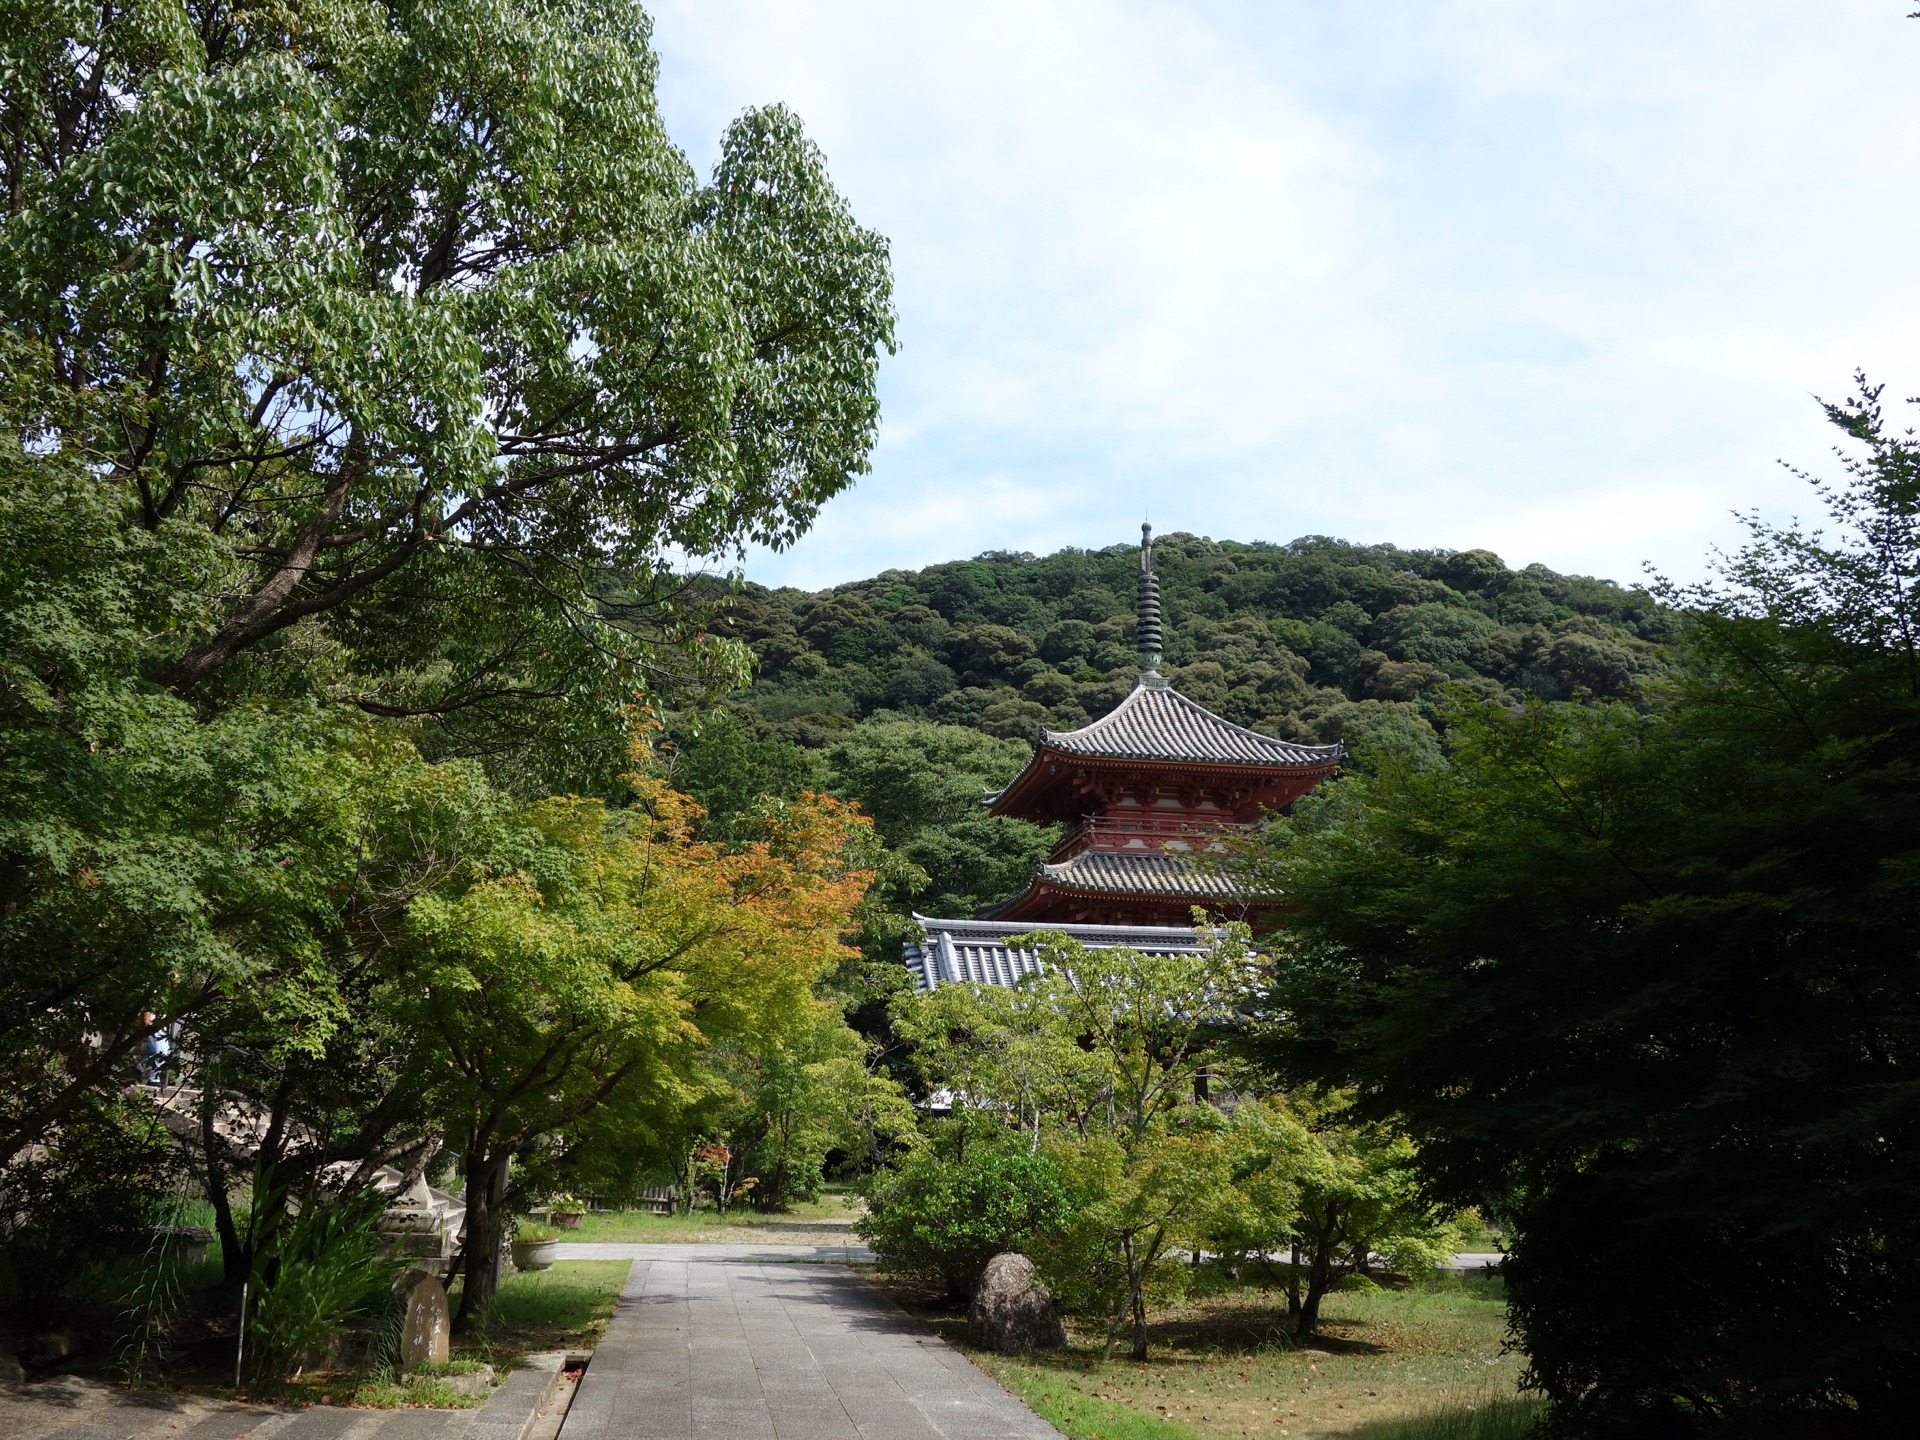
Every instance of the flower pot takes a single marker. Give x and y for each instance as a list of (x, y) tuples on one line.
[(535, 1254), (568, 1219)]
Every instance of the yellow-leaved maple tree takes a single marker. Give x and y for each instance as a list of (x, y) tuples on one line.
[(588, 975)]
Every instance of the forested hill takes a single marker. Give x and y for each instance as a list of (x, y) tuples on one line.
[(910, 690), (1305, 641)]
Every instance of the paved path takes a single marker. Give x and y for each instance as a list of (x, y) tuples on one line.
[(1470, 1262), (731, 1342), (616, 1250)]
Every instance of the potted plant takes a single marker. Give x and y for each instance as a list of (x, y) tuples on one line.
[(566, 1211), (535, 1247)]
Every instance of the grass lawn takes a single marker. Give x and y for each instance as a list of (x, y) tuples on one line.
[(1415, 1364), (563, 1308), (826, 1221), (425, 1389)]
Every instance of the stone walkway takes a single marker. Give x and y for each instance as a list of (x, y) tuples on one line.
[(741, 1342), (71, 1408)]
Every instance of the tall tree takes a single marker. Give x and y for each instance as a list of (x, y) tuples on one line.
[(1645, 980), (415, 320), (359, 355), (922, 785)]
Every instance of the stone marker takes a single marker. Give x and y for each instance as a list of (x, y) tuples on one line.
[(423, 1331), (1012, 1311)]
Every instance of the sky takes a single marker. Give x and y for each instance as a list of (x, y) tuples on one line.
[(1557, 280)]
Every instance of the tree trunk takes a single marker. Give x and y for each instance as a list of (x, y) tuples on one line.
[(1319, 1281), (1137, 1299), (234, 1263), (486, 1176), (683, 1193)]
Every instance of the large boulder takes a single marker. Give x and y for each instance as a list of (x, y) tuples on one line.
[(1012, 1311)]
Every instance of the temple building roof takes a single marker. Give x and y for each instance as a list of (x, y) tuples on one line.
[(1120, 872), (1157, 722), (1158, 726), (979, 952)]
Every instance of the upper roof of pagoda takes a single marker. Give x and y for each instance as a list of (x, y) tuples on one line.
[(1157, 726), (1157, 722), (1158, 729)]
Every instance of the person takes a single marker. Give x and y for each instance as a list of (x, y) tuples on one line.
[(158, 1048)]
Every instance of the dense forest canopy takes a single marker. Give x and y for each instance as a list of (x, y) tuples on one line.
[(1306, 641)]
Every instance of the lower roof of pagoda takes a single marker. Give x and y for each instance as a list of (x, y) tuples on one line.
[(1153, 872), (1165, 881), (987, 952)]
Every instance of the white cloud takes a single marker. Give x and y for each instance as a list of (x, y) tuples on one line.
[(1554, 279)]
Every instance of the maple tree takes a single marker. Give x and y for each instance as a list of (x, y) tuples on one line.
[(577, 995)]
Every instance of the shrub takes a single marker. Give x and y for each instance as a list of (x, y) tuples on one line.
[(83, 1202), (313, 1274), (950, 1207)]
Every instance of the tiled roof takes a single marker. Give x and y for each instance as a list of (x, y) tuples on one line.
[(955, 952), (1157, 722), (1118, 872)]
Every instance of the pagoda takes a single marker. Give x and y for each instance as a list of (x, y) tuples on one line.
[(1146, 792)]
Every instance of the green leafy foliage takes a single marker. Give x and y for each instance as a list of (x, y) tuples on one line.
[(923, 785), (316, 1273), (1644, 980), (1342, 1198), (794, 1100), (412, 331), (83, 1201), (967, 1194), (360, 364)]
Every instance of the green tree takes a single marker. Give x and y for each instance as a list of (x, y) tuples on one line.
[(414, 326), (571, 996), (357, 358), (1644, 981), (1336, 1195), (923, 785), (797, 1097), (722, 764), (1103, 1049), (321, 1059)]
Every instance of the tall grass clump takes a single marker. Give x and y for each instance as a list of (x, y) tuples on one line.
[(1504, 1419)]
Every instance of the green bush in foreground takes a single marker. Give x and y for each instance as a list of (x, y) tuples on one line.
[(312, 1276), (951, 1207)]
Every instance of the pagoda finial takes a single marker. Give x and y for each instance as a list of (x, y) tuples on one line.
[(1147, 629)]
